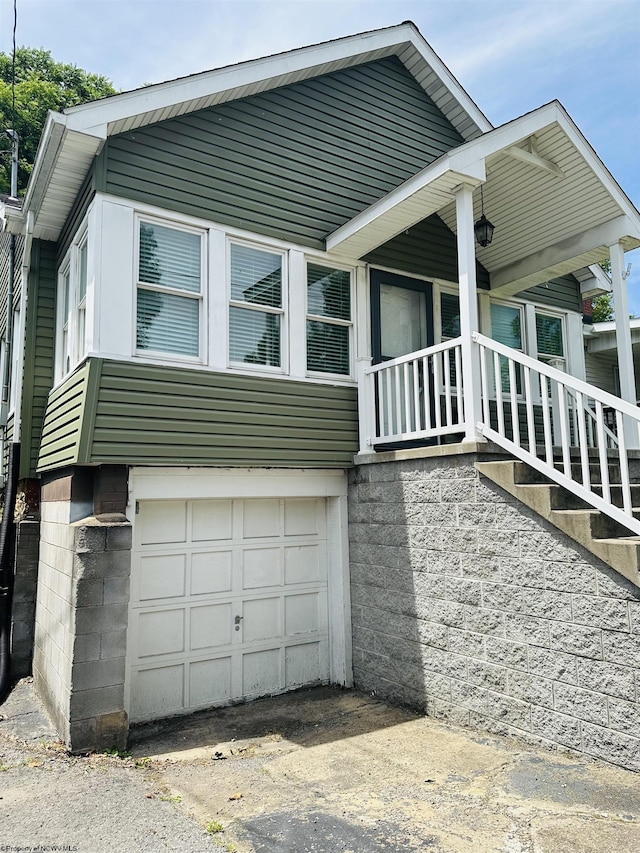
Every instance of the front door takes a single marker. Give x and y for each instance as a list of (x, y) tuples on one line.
[(402, 315), (402, 323)]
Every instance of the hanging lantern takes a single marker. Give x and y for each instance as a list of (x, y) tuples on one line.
[(483, 228)]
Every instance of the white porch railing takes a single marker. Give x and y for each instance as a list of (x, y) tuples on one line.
[(570, 416), (549, 419), (416, 396)]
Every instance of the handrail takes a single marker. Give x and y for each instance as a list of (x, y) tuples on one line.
[(568, 422), (413, 397), (403, 359), (605, 397)]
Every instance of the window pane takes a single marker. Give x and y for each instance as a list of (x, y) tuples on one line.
[(66, 284), (450, 316), (506, 325), (256, 276), (549, 335), (327, 347), (82, 284), (254, 337), (506, 328), (82, 344), (403, 326), (328, 292), (168, 323), (169, 257)]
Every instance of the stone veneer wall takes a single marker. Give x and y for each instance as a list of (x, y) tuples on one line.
[(81, 622), (470, 607)]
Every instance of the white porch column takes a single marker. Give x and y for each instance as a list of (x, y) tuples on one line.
[(366, 396), (623, 339), (623, 328), (468, 310)]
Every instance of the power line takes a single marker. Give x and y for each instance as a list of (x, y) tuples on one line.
[(13, 65)]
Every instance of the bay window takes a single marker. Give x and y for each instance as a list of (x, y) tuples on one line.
[(328, 320), (169, 291)]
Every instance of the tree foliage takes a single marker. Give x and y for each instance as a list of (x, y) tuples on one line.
[(603, 304), (42, 84), (602, 308)]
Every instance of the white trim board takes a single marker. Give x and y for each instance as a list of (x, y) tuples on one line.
[(191, 483)]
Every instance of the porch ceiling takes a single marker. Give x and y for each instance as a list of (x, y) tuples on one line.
[(554, 205)]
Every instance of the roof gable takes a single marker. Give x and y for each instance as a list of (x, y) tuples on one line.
[(70, 141), (293, 163), (120, 113)]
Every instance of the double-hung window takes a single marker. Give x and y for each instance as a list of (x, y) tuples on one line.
[(169, 306), (256, 308), (507, 328), (72, 307), (550, 339), (328, 320)]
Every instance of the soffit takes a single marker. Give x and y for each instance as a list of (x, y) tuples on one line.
[(561, 221), (75, 156), (532, 208)]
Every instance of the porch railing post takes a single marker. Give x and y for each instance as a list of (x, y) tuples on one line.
[(623, 337), (468, 312), (366, 405)]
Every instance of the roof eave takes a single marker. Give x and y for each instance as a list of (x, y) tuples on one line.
[(366, 231), (139, 106)]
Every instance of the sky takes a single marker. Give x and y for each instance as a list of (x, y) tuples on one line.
[(511, 56)]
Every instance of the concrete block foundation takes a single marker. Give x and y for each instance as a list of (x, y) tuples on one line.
[(472, 608), (81, 621)]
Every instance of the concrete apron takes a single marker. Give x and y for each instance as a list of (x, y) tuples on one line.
[(326, 770)]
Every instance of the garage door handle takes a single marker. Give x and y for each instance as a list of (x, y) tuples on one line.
[(237, 620)]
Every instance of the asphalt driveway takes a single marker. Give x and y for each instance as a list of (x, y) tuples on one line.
[(319, 771)]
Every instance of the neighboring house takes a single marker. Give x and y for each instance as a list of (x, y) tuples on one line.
[(601, 355), (211, 268)]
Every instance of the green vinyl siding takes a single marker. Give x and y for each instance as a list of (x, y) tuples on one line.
[(560, 293), (80, 206), (39, 350), (5, 253), (427, 249), (294, 163), (64, 421), (136, 414)]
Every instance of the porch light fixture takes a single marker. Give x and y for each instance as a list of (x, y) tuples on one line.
[(483, 228)]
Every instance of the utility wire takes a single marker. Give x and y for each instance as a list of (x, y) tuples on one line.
[(13, 65)]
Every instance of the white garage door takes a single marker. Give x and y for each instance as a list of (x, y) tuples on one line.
[(228, 601)]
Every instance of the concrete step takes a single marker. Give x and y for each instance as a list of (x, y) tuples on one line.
[(607, 539)]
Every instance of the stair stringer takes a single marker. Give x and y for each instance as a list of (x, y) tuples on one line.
[(620, 553)]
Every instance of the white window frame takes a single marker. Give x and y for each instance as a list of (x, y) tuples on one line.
[(282, 311), (524, 337), (441, 290), (334, 321), (71, 312), (201, 297), (547, 358)]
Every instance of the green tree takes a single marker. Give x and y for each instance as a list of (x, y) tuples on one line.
[(41, 84), (603, 304)]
